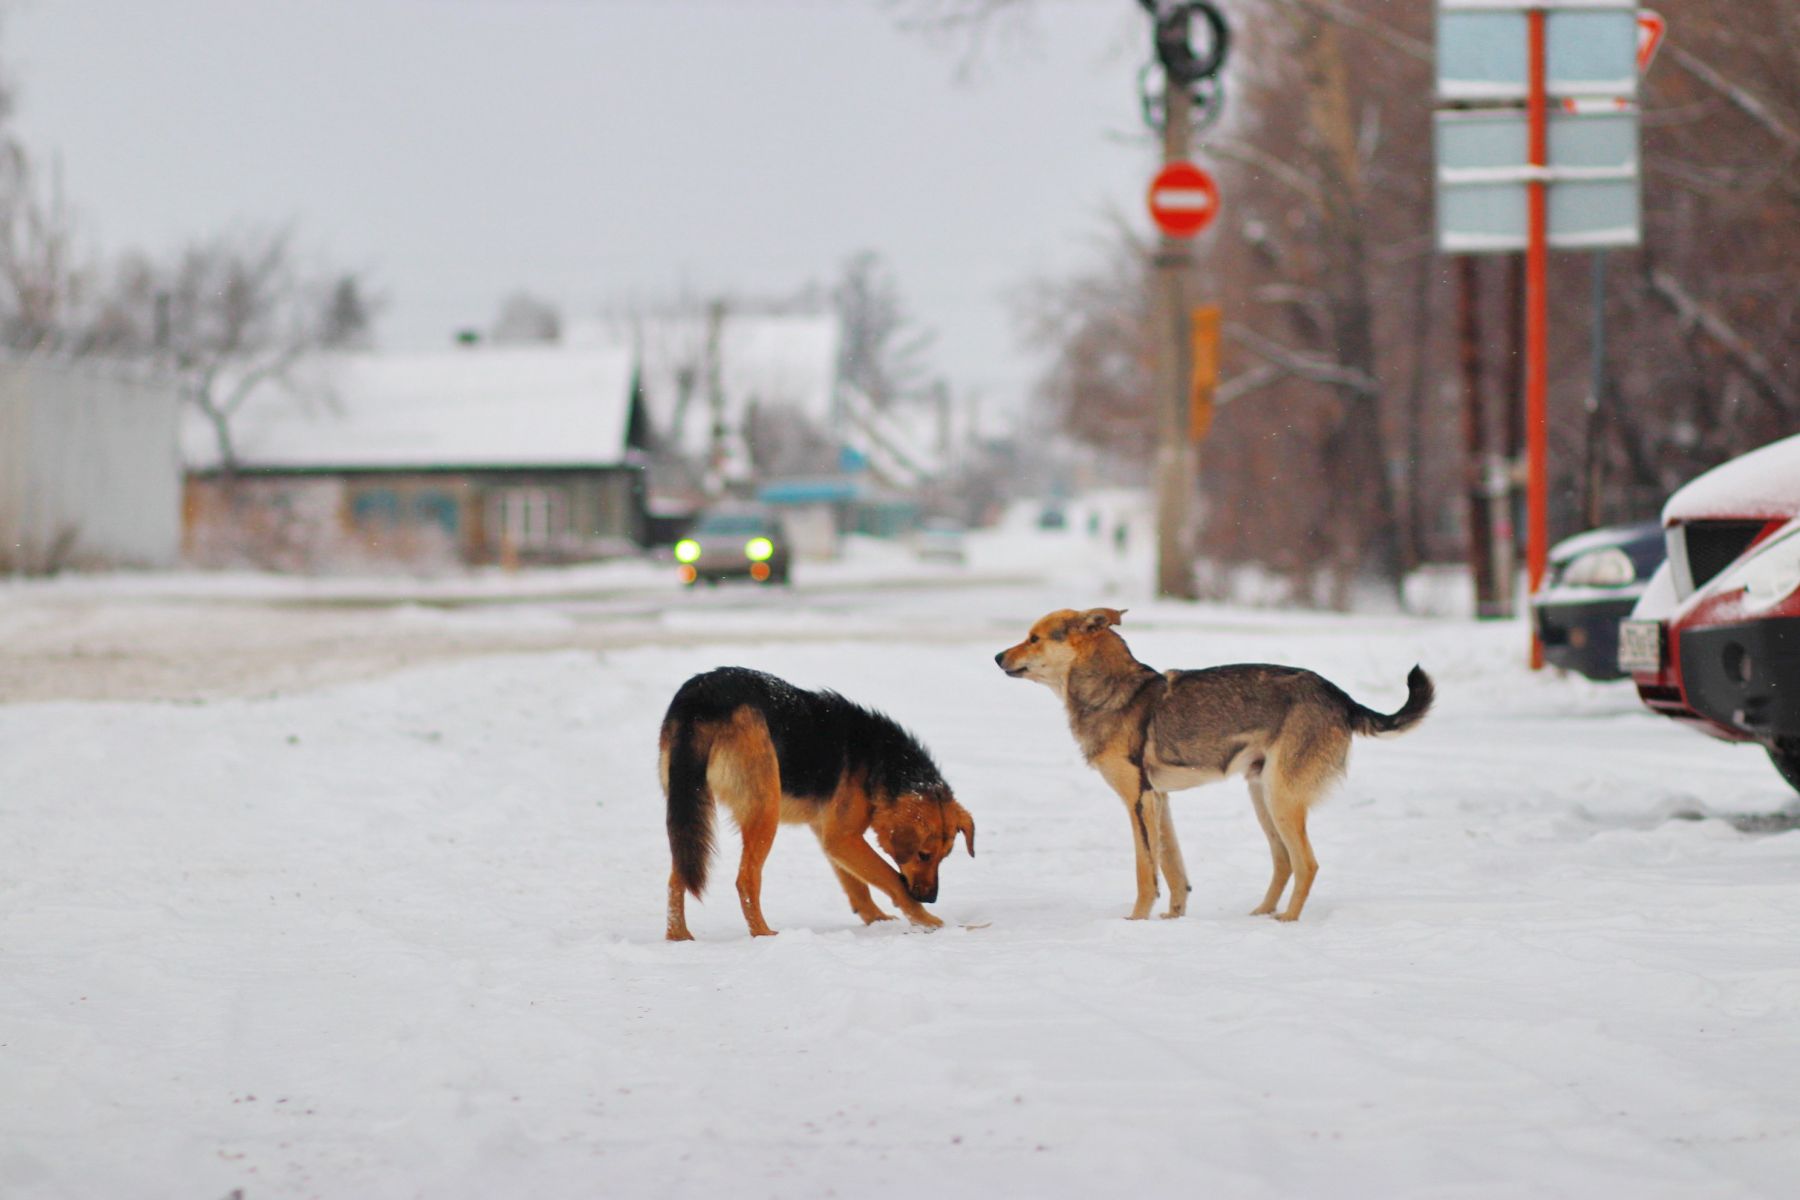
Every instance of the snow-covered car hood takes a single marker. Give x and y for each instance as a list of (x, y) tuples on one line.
[(1763, 483), (1661, 601)]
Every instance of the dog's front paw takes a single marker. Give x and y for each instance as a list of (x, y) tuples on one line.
[(926, 919), (1287, 916), (1174, 913), (869, 918)]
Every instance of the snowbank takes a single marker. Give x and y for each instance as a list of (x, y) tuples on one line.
[(401, 938)]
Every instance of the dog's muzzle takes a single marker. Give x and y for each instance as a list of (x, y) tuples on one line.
[(1000, 661), (922, 896)]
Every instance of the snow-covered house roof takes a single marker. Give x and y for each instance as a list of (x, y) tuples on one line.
[(768, 360), (903, 444), (513, 406)]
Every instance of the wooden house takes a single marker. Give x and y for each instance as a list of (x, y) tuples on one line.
[(473, 455)]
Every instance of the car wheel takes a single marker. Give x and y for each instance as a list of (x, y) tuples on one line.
[(1786, 757)]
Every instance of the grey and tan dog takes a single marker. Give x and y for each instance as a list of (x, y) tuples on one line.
[(1149, 733)]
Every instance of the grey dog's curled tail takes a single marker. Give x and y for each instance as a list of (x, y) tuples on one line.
[(1419, 694)]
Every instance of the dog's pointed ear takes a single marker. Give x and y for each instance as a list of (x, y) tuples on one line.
[(1096, 619), (964, 824)]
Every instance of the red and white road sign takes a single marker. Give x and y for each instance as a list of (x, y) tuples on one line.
[(1183, 199), (1651, 28)]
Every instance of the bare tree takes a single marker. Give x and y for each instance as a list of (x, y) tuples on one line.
[(884, 352), (1095, 329), (233, 315), (41, 280)]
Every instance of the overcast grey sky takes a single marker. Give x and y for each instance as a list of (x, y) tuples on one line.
[(599, 152)]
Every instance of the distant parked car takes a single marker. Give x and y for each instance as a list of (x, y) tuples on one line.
[(734, 543), (1053, 517), (1715, 641), (1595, 581), (941, 540)]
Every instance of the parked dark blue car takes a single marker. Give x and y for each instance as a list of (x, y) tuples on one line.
[(1594, 581)]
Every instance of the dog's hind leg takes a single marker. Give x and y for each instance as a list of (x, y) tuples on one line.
[(677, 929), (1174, 870), (1278, 855), (745, 776), (759, 837), (1303, 770), (1287, 801)]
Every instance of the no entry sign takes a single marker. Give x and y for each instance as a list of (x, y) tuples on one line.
[(1183, 199)]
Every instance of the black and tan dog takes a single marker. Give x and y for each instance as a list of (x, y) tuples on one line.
[(1150, 732), (773, 754)]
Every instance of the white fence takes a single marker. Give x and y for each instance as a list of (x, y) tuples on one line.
[(90, 467)]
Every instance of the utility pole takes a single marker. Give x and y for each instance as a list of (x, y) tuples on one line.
[(1183, 201), (1475, 455), (1509, 513), (1177, 458), (1593, 471), (717, 449)]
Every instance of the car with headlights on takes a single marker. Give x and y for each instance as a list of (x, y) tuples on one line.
[(1595, 581), (1715, 640), (734, 543)]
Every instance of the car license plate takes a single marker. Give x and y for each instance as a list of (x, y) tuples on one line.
[(1640, 646)]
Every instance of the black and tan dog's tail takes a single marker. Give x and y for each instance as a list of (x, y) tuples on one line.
[(1419, 695), (690, 807)]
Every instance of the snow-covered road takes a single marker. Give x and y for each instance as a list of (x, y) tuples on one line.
[(401, 937)]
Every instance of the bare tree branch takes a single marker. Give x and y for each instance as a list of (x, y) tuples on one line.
[(1741, 98), (971, 22), (276, 368), (1245, 383), (1306, 366), (1232, 150), (1692, 314), (1349, 18)]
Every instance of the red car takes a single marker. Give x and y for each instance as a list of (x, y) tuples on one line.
[(1715, 640)]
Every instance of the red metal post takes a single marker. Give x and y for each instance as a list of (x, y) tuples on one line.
[(1537, 325)]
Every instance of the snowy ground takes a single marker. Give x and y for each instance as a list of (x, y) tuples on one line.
[(397, 932)]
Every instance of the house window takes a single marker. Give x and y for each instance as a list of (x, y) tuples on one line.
[(436, 508), (375, 506), (530, 518)]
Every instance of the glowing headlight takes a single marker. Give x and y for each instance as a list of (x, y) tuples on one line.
[(1601, 568), (687, 550), (1772, 572), (759, 549)]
